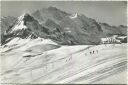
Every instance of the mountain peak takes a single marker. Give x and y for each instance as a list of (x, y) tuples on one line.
[(74, 16), (20, 23), (24, 27), (22, 16)]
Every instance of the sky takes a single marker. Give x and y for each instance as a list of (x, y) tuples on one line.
[(111, 12)]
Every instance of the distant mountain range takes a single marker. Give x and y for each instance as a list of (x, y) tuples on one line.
[(59, 26)]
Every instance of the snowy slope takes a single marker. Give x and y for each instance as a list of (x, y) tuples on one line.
[(67, 64)]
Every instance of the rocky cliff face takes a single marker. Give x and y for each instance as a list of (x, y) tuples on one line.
[(113, 30), (6, 23), (59, 26), (69, 28)]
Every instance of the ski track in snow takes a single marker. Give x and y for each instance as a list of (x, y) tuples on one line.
[(67, 64)]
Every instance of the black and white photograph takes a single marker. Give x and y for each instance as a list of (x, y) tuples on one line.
[(63, 42)]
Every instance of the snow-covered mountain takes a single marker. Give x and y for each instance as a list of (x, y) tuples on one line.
[(81, 29), (59, 26), (19, 24), (25, 27)]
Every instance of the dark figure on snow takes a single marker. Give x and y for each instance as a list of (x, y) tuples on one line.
[(90, 52), (93, 52)]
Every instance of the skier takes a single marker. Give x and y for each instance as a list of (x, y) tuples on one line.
[(93, 52), (90, 52)]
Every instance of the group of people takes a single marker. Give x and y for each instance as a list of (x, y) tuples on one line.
[(94, 51), (70, 58)]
